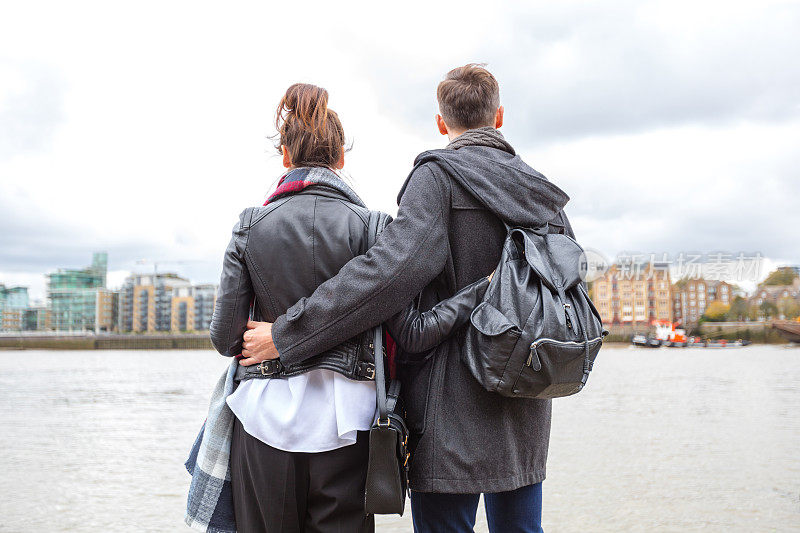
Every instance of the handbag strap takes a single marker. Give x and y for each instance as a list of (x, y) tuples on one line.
[(380, 377), (377, 221)]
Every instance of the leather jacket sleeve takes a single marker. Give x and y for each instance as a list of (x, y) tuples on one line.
[(235, 293), (417, 332)]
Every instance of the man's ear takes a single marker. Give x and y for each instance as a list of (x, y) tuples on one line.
[(287, 157), (441, 125), (498, 118)]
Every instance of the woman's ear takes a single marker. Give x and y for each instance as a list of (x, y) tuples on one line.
[(340, 162), (287, 157)]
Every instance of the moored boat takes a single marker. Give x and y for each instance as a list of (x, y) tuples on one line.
[(699, 342), (645, 341)]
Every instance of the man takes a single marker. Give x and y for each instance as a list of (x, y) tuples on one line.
[(449, 231)]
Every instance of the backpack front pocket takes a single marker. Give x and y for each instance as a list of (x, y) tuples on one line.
[(493, 342), (556, 368)]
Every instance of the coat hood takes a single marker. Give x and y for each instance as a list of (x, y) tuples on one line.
[(501, 181)]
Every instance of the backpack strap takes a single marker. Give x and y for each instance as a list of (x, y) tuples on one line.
[(376, 223), (541, 230)]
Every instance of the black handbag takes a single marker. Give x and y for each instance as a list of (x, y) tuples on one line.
[(387, 470)]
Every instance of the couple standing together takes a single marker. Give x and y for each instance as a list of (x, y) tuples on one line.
[(299, 282)]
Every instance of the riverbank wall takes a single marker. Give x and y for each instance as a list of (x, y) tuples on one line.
[(189, 341), (758, 332)]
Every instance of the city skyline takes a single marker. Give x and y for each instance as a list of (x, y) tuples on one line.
[(36, 281), (628, 291), (80, 299)]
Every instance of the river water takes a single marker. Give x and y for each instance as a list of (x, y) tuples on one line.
[(660, 440)]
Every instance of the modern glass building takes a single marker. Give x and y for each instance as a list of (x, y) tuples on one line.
[(13, 300), (13, 297), (76, 297)]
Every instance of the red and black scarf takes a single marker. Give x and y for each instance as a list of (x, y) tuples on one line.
[(299, 178)]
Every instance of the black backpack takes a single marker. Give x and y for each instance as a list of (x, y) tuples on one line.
[(536, 333)]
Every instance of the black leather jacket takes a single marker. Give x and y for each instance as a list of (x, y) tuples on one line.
[(280, 253)]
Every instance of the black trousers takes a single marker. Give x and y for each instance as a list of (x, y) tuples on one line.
[(290, 492)]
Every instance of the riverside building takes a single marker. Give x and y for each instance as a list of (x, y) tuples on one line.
[(13, 302), (78, 298), (164, 302), (634, 293), (691, 297)]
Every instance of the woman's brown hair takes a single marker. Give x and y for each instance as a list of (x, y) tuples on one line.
[(311, 132)]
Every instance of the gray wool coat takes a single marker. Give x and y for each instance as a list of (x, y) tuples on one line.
[(449, 232)]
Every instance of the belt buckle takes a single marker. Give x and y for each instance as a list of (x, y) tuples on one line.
[(262, 366)]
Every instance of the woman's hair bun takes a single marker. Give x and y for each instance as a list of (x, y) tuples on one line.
[(306, 103), (310, 131)]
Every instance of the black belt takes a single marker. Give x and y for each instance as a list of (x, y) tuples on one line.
[(273, 368)]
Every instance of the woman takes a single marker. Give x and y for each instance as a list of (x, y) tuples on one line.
[(299, 446)]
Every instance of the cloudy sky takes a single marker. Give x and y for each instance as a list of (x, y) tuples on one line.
[(142, 128)]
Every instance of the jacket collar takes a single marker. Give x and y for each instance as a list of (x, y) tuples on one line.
[(299, 178)]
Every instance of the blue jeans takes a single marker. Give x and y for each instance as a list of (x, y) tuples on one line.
[(515, 511)]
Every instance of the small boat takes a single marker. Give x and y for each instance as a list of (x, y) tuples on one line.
[(698, 342), (669, 334), (645, 341)]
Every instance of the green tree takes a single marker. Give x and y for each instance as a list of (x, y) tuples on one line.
[(740, 310), (781, 276), (716, 312), (768, 310), (789, 308)]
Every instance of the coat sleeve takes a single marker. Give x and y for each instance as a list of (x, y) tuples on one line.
[(373, 287), (417, 332), (235, 293)]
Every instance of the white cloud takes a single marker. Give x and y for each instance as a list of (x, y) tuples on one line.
[(142, 129)]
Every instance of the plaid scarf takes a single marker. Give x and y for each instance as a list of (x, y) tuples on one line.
[(209, 506), (299, 178)]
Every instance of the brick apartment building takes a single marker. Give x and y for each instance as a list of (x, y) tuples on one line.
[(691, 297), (634, 294)]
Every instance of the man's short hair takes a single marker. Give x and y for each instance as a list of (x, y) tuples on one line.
[(468, 97)]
